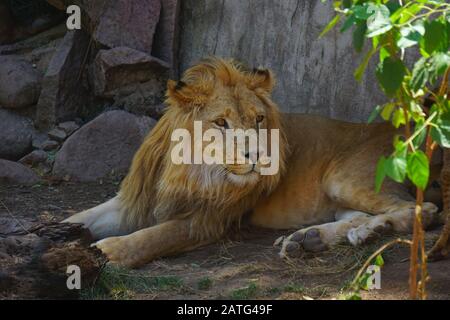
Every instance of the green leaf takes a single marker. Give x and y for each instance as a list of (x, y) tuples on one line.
[(364, 11), (439, 62), (390, 74), (376, 41), (353, 296), (387, 111), (398, 118), (359, 35), (420, 138), (347, 3), (395, 168), (348, 23), (380, 173), (363, 283), (407, 13), (418, 169), (384, 53), (435, 37), (440, 132), (420, 74), (330, 25), (379, 261), (436, 2), (401, 148), (411, 35), (397, 141), (393, 6), (359, 72), (375, 112), (378, 22), (416, 111)]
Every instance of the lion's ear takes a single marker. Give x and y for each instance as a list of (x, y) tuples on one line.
[(186, 95), (262, 79)]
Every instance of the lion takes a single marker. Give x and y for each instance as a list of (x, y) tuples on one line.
[(324, 187)]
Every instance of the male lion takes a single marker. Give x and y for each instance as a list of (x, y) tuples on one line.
[(326, 177)]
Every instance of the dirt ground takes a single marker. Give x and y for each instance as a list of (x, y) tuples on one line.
[(246, 266)]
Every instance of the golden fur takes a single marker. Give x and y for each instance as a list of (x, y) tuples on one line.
[(325, 182), (156, 190)]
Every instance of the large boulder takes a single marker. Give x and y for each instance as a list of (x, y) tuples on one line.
[(34, 158), (63, 93), (16, 135), (16, 174), (122, 66), (103, 146), (166, 35), (129, 23), (20, 83)]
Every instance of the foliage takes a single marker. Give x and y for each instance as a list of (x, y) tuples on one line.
[(362, 280), (245, 293), (295, 288), (119, 283), (394, 30), (205, 283)]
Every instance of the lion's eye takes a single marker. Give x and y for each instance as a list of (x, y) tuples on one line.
[(259, 118), (221, 122)]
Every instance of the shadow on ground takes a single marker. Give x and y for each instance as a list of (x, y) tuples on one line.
[(246, 266)]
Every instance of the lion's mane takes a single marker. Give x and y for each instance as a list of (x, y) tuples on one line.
[(156, 190)]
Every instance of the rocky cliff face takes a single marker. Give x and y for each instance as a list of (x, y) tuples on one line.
[(314, 75), (102, 84), (52, 79)]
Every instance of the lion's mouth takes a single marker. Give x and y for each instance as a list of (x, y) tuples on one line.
[(243, 176), (243, 171)]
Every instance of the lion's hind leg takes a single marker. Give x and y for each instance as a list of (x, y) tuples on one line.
[(393, 207), (350, 183), (102, 221), (322, 237), (399, 220)]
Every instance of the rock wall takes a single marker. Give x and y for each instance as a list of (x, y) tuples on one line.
[(56, 83), (69, 97), (314, 75)]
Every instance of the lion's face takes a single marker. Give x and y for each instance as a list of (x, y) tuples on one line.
[(221, 96), (236, 114), (234, 110)]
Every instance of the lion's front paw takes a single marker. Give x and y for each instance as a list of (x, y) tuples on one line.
[(309, 239), (117, 250)]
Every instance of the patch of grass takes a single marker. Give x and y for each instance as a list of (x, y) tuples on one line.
[(120, 294), (349, 296), (245, 293), (273, 291), (120, 284), (204, 283), (294, 288), (166, 282), (321, 292)]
